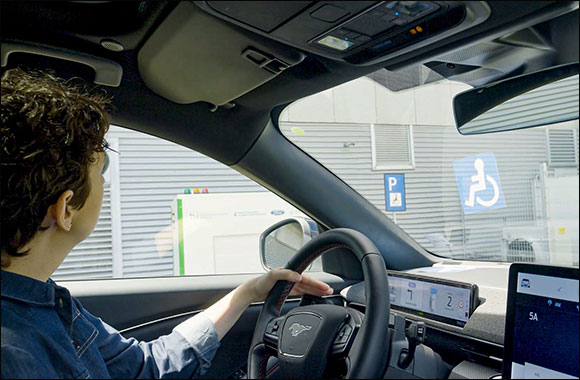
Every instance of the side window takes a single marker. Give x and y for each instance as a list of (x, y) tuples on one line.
[(168, 210)]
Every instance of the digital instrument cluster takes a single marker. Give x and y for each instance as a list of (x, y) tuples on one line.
[(445, 301)]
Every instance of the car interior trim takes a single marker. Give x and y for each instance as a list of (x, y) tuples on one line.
[(107, 72)]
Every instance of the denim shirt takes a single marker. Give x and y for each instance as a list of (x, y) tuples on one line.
[(46, 333)]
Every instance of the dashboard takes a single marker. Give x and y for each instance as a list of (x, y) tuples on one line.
[(463, 309)]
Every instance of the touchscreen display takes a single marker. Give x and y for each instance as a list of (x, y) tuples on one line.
[(445, 302), (545, 328)]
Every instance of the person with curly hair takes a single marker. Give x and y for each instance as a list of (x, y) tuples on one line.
[(52, 154)]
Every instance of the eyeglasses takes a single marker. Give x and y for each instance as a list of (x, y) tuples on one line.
[(106, 165), (107, 159)]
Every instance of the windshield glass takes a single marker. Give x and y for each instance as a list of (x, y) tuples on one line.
[(510, 196)]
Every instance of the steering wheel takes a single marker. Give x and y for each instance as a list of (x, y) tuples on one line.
[(309, 337)]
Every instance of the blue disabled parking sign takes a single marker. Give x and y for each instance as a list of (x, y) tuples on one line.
[(395, 192), (478, 183)]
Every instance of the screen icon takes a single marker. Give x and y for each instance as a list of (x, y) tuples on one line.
[(525, 283), (433, 299), (550, 302)]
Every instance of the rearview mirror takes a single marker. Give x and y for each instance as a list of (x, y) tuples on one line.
[(535, 99), (282, 240)]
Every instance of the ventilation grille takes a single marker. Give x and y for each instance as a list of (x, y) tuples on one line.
[(562, 147), (392, 147)]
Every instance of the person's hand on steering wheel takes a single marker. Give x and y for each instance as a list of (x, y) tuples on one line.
[(227, 310), (257, 289)]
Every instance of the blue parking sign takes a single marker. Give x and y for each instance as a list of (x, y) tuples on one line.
[(478, 183), (395, 192)]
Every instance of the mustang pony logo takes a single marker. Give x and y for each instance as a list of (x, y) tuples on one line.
[(297, 328)]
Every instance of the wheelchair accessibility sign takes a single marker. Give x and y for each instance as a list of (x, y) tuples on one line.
[(478, 183)]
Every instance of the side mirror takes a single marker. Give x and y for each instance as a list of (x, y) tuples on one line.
[(282, 240)]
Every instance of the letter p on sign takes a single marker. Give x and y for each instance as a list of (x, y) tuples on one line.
[(392, 183)]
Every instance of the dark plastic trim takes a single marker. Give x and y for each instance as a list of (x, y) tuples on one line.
[(107, 72)]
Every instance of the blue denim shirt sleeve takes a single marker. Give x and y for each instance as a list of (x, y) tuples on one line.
[(199, 331), (170, 356)]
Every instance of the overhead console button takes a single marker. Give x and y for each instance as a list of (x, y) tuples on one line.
[(388, 17), (353, 35), (399, 21), (362, 39), (341, 32), (410, 8), (368, 25), (329, 13), (335, 43), (376, 13)]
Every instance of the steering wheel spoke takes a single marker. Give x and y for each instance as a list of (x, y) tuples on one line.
[(272, 333), (347, 334)]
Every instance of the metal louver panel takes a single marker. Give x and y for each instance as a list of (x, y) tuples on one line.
[(342, 148), (152, 172), (93, 257), (562, 147), (392, 147), (545, 105)]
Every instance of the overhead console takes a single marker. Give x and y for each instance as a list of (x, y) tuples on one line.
[(358, 32)]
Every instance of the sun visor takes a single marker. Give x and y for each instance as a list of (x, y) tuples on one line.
[(193, 56)]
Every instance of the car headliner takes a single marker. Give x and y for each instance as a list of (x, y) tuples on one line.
[(226, 134)]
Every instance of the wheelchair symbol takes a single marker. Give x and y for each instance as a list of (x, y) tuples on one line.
[(479, 184)]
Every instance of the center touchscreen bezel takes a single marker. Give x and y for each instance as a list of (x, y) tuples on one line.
[(515, 269), (473, 297)]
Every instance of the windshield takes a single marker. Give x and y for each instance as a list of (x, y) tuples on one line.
[(510, 196)]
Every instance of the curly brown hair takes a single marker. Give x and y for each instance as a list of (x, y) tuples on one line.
[(50, 132)]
